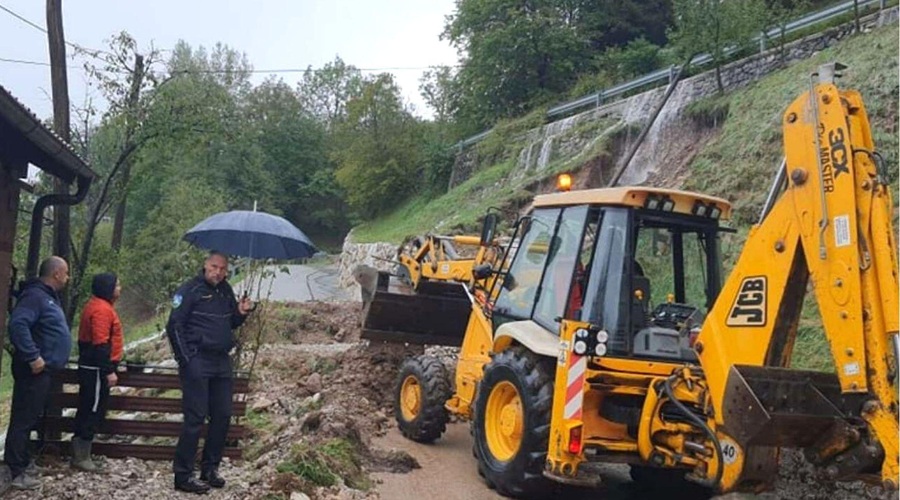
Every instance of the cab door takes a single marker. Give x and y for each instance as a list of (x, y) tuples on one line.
[(539, 283)]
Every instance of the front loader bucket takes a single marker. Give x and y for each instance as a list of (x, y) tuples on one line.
[(437, 314), (770, 406)]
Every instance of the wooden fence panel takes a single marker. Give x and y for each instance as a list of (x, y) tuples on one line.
[(162, 379)]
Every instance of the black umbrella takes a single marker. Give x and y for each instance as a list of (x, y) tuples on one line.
[(257, 235)]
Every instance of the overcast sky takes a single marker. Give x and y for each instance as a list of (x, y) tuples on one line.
[(275, 34)]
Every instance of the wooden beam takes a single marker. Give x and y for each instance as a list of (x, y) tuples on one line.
[(116, 402), (118, 427), (241, 385), (124, 450)]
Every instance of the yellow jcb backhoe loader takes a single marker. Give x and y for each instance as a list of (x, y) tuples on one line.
[(609, 335), (431, 280)]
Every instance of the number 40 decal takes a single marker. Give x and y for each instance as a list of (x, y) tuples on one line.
[(730, 451)]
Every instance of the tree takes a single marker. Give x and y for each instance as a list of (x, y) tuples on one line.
[(295, 149), (159, 260), (379, 157), (615, 24), (325, 92), (638, 57), (779, 13), (438, 88), (515, 54), (715, 26), (124, 78)]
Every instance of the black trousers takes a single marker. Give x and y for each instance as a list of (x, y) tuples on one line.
[(30, 396), (206, 388), (93, 393)]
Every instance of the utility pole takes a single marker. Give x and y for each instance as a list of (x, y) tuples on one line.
[(60, 89)]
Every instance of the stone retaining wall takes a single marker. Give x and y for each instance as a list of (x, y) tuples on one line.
[(381, 256)]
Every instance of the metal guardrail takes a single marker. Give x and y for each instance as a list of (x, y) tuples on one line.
[(666, 74)]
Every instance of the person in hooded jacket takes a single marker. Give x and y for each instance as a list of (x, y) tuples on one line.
[(41, 342), (100, 346)]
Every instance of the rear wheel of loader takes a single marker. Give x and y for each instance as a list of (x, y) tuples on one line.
[(511, 427), (423, 387)]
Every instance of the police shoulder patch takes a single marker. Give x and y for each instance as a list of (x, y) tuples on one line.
[(177, 300)]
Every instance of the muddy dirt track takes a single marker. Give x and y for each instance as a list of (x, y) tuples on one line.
[(448, 472)]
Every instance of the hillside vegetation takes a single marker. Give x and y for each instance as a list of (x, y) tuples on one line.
[(737, 164)]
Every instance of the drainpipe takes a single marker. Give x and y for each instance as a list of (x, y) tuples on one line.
[(37, 220)]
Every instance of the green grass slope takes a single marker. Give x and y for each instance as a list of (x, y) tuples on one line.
[(739, 163)]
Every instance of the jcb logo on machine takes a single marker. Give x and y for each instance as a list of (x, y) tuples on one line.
[(833, 156), (749, 307)]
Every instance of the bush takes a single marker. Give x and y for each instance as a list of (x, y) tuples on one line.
[(325, 464), (438, 159), (637, 58), (505, 137), (708, 112)]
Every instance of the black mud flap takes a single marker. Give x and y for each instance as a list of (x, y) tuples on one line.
[(769, 406), (436, 314)]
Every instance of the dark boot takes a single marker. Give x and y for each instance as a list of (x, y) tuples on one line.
[(192, 485), (213, 479), (81, 455)]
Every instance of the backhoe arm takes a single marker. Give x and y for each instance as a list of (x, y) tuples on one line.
[(832, 227)]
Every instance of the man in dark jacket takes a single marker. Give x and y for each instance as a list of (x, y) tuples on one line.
[(204, 313), (41, 340)]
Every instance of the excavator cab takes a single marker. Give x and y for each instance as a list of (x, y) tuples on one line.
[(645, 274)]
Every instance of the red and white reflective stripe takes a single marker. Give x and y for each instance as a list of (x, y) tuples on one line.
[(575, 386)]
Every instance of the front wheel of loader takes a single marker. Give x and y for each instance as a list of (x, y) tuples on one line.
[(511, 426), (423, 386)]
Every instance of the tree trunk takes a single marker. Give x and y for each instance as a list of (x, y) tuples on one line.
[(856, 15), (60, 90), (119, 219), (134, 95)]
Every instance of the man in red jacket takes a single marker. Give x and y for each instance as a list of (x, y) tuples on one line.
[(100, 345)]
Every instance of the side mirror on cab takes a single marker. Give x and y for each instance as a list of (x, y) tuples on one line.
[(488, 229)]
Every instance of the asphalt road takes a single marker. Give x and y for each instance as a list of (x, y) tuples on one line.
[(300, 283)]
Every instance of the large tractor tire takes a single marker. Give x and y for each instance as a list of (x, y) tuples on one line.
[(423, 387), (511, 426)]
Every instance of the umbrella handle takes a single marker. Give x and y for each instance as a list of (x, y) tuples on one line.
[(246, 295)]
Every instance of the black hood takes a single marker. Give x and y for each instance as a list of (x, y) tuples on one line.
[(104, 285), (34, 283)]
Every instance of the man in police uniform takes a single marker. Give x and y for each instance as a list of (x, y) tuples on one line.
[(204, 313)]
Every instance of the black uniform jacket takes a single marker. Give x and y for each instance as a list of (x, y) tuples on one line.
[(202, 318)]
